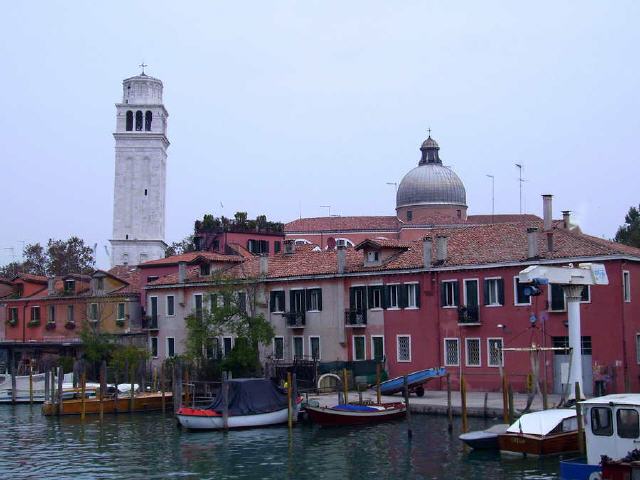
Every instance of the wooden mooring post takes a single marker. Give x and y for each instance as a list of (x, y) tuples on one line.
[(52, 383), (225, 401), (132, 392), (289, 400), (103, 387), (405, 383), (505, 399), (187, 395), (30, 385), (449, 406), (177, 400), (14, 393), (345, 385), (83, 391), (162, 387), (579, 419), (511, 407), (463, 404), (47, 387), (545, 401), (59, 392), (378, 395)]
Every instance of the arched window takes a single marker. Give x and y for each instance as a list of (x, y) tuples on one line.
[(147, 120), (138, 121), (129, 120)]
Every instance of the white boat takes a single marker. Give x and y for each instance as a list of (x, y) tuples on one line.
[(612, 430), (23, 392), (252, 402)]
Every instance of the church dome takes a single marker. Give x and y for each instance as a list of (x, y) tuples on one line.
[(431, 183)]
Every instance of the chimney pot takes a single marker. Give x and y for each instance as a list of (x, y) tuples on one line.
[(182, 272), (289, 246), (342, 259), (532, 242), (566, 218), (441, 248), (547, 211), (427, 252)]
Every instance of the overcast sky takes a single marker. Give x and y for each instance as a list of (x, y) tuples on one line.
[(278, 108)]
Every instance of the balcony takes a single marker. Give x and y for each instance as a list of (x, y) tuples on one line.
[(355, 318), (294, 319), (150, 322), (468, 315)]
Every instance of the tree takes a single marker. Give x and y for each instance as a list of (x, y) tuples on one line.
[(35, 259), (61, 257), (186, 245), (11, 270), (629, 233), (232, 312)]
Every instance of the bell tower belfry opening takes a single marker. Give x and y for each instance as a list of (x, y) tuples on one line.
[(140, 173)]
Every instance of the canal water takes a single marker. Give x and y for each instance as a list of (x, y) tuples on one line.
[(151, 446)]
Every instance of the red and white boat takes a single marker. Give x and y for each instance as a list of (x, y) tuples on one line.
[(252, 402), (356, 414)]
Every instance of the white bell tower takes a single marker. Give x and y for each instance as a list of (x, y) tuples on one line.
[(140, 173)]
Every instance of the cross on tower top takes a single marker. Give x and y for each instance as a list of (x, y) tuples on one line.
[(429, 130), (142, 66)]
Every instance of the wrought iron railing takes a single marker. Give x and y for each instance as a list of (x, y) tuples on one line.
[(294, 319), (468, 314), (355, 318)]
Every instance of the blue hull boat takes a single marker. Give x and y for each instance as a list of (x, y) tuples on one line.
[(578, 469), (415, 381)]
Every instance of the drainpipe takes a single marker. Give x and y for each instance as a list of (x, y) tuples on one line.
[(625, 370)]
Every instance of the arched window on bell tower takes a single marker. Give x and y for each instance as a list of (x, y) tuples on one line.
[(148, 116), (139, 121), (129, 120)]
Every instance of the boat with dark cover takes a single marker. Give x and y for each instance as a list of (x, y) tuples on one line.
[(484, 439)]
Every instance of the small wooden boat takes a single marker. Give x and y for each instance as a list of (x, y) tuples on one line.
[(612, 433), (415, 381), (26, 389), (484, 439), (542, 433), (142, 402), (351, 414), (251, 402)]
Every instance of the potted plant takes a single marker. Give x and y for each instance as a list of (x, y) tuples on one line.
[(34, 323), (70, 325), (120, 322), (50, 325), (12, 322)]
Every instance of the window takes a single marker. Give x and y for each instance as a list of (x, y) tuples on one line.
[(375, 296), (585, 296), (211, 348), (626, 286), (242, 302), (258, 246), (557, 298), (278, 348), (357, 299), (197, 304), (343, 243), (377, 347), (451, 352), (392, 295), (205, 269), (373, 257), (227, 346), (213, 301), (298, 347), (409, 215), (314, 299), (171, 347), (563, 342), (171, 305), (138, 121), (314, 347), (69, 286), (297, 301), (493, 291), (121, 312), (601, 421), (404, 348), (154, 347), (494, 352), (449, 295), (277, 301), (472, 352), (413, 295), (100, 283), (13, 314), (520, 297), (35, 314), (152, 278), (148, 117), (51, 314), (154, 310), (129, 121), (93, 312), (359, 347), (70, 315), (277, 246), (627, 423)]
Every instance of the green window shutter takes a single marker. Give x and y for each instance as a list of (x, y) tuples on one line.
[(385, 296), (501, 291), (272, 301), (456, 293), (352, 298), (486, 292), (418, 293), (319, 299), (370, 297), (292, 300), (403, 295), (443, 294)]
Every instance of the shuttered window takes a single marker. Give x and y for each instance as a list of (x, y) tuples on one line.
[(494, 291), (450, 293), (276, 301)]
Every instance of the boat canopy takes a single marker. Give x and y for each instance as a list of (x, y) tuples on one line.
[(614, 399), (541, 423), (251, 396)]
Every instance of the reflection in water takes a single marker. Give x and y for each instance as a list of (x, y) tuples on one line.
[(151, 446)]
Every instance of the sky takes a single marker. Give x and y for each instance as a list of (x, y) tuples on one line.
[(280, 108)]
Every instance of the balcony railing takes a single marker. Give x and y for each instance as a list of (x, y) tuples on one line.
[(150, 322), (294, 319), (355, 318), (469, 315)]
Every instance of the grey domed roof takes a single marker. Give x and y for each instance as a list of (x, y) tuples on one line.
[(431, 183)]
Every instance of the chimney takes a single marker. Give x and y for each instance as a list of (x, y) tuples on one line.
[(51, 286), (532, 242), (550, 241), (342, 259), (289, 246), (566, 219), (427, 252), (547, 211), (182, 272), (264, 265), (441, 248)]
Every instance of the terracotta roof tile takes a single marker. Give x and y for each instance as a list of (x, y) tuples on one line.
[(190, 257), (343, 224)]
